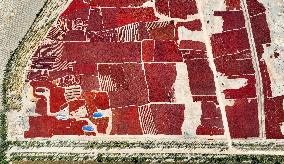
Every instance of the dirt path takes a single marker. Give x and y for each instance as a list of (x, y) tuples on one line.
[(215, 73), (258, 78)]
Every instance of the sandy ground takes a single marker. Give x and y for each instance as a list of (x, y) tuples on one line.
[(16, 16)]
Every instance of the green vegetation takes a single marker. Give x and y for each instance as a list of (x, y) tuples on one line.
[(157, 158), (3, 138)]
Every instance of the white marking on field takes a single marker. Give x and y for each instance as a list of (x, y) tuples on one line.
[(147, 120), (106, 83), (72, 92), (128, 33)]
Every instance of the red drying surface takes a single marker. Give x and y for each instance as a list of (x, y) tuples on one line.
[(230, 66), (233, 4), (194, 25), (274, 117), (160, 78), (211, 120), (130, 83), (255, 7), (125, 121), (232, 19), (200, 83), (46, 126), (182, 8), (230, 42), (101, 52), (117, 17), (261, 33), (116, 3), (193, 45), (243, 118), (176, 8), (160, 51), (248, 91), (273, 106), (124, 74), (168, 118)]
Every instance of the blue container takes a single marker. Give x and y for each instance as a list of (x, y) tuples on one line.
[(61, 117), (98, 115), (88, 128)]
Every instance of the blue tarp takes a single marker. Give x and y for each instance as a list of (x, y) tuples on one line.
[(88, 128), (98, 115)]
